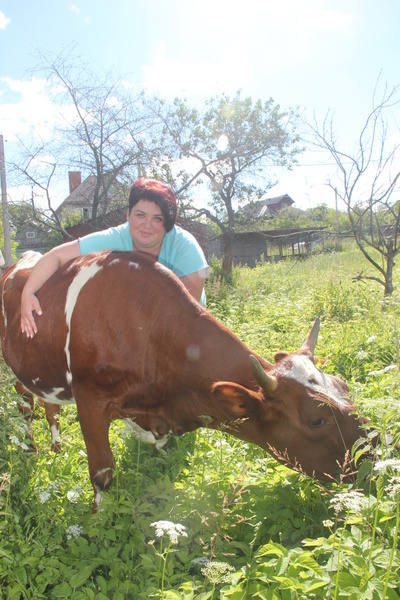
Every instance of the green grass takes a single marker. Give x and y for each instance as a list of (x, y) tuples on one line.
[(253, 529)]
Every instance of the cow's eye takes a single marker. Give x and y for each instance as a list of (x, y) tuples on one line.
[(317, 423)]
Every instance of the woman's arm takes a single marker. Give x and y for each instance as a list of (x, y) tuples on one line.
[(41, 272), (194, 283)]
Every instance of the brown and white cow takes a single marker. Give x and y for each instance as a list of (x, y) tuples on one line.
[(122, 338)]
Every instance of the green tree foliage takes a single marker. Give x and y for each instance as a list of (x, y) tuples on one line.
[(13, 242), (231, 145), (319, 216)]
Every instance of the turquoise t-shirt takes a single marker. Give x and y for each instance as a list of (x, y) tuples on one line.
[(180, 251)]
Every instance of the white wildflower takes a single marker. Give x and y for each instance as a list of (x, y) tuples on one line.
[(23, 428), (328, 523), (173, 530), (218, 572), (381, 466), (351, 501), (44, 496), (393, 488), (74, 531), (362, 355), (73, 495), (371, 339), (14, 440), (383, 371)]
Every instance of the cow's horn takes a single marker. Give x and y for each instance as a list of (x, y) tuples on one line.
[(312, 338), (267, 382)]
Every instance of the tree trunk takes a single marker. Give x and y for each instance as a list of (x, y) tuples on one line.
[(227, 261), (389, 275)]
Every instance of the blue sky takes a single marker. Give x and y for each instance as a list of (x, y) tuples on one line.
[(315, 54)]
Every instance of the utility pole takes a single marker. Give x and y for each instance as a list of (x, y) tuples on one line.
[(6, 219)]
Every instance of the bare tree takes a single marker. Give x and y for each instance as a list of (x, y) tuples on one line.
[(369, 184), (103, 130)]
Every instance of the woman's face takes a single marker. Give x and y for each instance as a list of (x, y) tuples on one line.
[(146, 226)]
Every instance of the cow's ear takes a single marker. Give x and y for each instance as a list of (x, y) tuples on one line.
[(278, 356), (238, 401)]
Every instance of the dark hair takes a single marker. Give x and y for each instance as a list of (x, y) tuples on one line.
[(158, 192)]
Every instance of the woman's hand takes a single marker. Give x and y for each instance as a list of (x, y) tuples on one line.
[(29, 305), (41, 272)]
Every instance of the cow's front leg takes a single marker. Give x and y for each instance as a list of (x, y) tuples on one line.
[(95, 426)]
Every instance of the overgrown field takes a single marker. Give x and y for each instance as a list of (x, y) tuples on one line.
[(213, 517)]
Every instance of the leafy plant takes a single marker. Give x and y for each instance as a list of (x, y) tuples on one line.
[(254, 528)]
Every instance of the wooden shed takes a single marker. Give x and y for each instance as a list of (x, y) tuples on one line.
[(273, 245)]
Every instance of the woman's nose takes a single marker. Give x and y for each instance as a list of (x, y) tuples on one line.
[(147, 222)]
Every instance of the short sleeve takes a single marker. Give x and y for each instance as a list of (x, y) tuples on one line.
[(181, 253)]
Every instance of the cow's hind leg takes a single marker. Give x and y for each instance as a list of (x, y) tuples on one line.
[(53, 419), (95, 425), (26, 407)]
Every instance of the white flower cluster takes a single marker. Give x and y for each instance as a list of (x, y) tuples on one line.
[(328, 523), (73, 531), (14, 440), (351, 501), (216, 571), (381, 466), (173, 530), (73, 495), (45, 495)]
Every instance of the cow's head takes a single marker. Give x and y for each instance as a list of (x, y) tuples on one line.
[(299, 414)]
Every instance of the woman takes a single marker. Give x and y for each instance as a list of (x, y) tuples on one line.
[(150, 228)]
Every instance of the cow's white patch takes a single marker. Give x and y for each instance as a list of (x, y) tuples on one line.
[(27, 261), (97, 498), (84, 275), (132, 264), (24, 403), (101, 475), (308, 375), (146, 436), (55, 434), (53, 398)]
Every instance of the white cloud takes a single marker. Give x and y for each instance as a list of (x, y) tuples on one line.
[(77, 11), (321, 20), (172, 77), (4, 21), (29, 106), (26, 108)]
